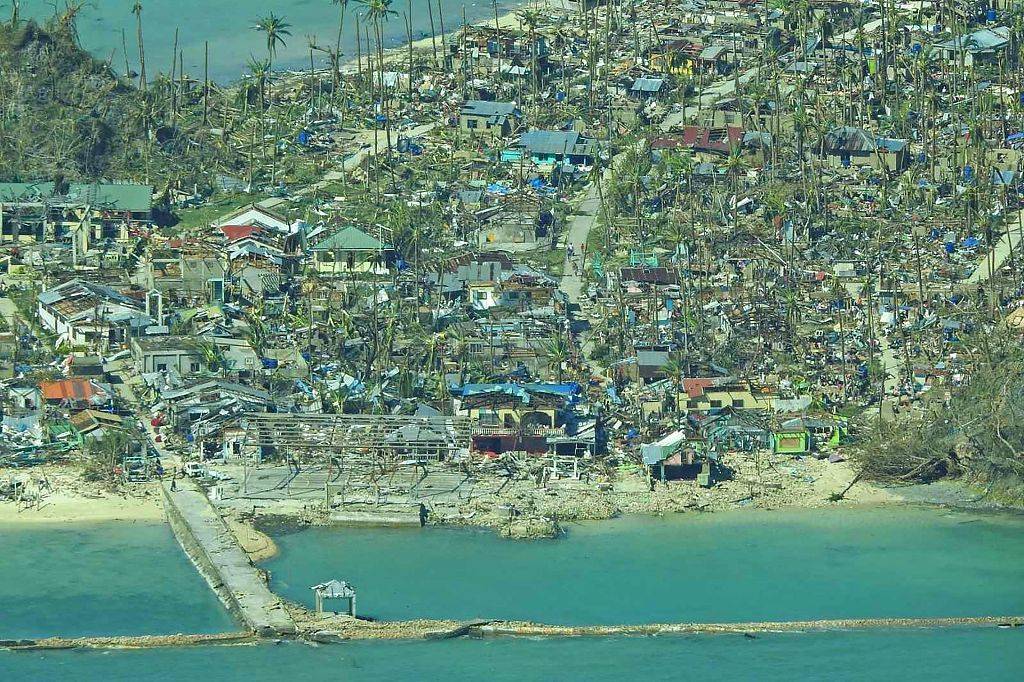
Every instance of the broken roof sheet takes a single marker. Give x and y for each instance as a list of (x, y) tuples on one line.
[(647, 84)]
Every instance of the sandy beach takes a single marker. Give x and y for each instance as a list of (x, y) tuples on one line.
[(395, 55), (258, 545), (59, 495)]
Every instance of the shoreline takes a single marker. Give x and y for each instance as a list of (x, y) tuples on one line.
[(419, 45), (62, 501), (256, 544), (64, 498)]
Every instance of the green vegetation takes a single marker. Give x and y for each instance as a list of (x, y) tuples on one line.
[(219, 205), (978, 435), (77, 119)]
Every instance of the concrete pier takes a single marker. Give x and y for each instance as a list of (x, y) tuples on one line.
[(214, 550)]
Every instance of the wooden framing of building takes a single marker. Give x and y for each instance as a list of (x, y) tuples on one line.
[(359, 437)]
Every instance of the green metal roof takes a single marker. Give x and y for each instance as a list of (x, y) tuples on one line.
[(350, 239), (126, 197)]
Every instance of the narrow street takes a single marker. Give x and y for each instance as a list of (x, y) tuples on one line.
[(1003, 249)]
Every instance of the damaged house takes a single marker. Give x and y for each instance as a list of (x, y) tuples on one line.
[(82, 313)]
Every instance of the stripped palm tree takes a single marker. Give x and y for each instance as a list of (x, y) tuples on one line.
[(137, 11), (378, 12), (259, 73), (531, 18), (336, 65)]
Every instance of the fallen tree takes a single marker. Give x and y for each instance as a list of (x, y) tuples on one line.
[(979, 434)]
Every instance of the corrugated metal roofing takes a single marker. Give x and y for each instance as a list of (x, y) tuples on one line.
[(479, 107), (236, 232), (647, 84), (67, 389), (549, 141), (350, 238), (126, 197)]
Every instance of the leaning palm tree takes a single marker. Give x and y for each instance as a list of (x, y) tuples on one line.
[(276, 30)]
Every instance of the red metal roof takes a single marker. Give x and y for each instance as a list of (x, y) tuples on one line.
[(695, 387), (67, 389), (236, 232), (697, 137)]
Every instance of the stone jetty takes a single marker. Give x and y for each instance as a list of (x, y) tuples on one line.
[(214, 550)]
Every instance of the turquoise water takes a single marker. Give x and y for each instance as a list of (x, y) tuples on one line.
[(228, 28), (927, 655), (101, 579), (741, 566), (132, 578)]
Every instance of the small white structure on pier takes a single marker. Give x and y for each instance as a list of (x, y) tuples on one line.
[(335, 589)]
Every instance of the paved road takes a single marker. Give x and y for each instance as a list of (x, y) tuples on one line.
[(580, 224), (1003, 248)]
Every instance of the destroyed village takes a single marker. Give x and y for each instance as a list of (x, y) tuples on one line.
[(424, 300)]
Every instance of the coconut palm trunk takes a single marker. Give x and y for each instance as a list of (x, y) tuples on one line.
[(137, 11)]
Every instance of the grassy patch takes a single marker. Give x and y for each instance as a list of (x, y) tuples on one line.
[(202, 216)]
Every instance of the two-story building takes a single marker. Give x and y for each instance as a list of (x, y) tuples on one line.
[(82, 313), (495, 118)]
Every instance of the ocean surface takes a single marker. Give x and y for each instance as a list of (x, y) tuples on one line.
[(101, 579), (119, 578), (733, 566), (228, 26)]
